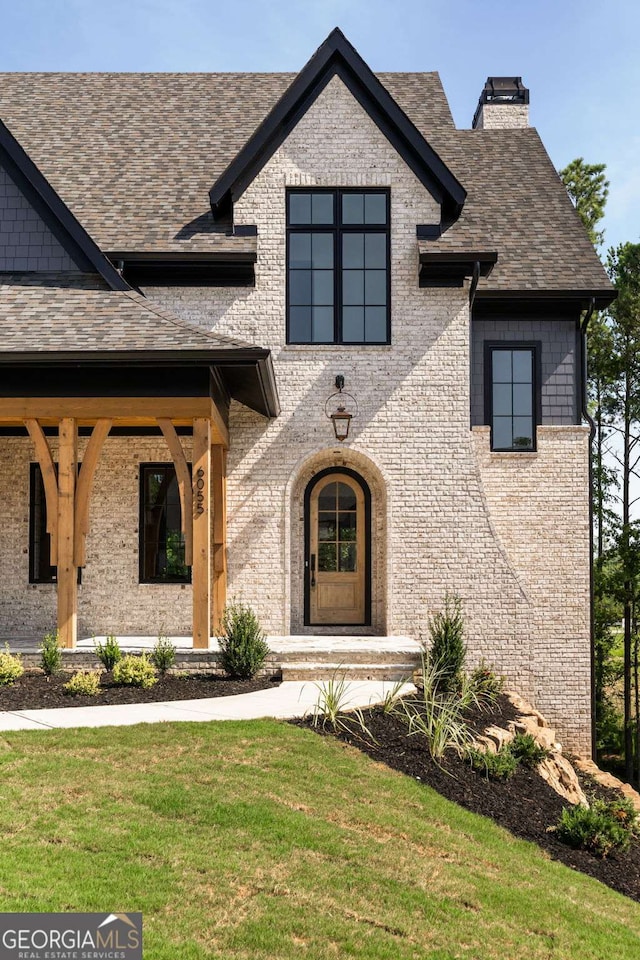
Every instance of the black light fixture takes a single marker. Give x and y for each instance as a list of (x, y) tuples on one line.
[(341, 417)]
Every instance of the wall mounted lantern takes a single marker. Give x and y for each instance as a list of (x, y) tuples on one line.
[(341, 417)]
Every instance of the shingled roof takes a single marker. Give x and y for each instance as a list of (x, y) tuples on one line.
[(134, 156), (39, 315)]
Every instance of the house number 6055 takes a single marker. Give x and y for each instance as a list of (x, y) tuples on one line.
[(199, 491)]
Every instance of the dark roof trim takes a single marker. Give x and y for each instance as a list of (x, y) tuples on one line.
[(222, 356), (450, 269), (217, 268), (243, 373), (582, 298), (337, 57), (62, 223)]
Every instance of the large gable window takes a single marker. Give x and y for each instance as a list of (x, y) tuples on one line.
[(338, 266), (511, 380)]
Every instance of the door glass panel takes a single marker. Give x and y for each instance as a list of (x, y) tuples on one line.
[(327, 498), (337, 529), (347, 553), (346, 497), (326, 526), (327, 558), (347, 526)]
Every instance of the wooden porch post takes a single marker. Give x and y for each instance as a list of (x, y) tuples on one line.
[(219, 496), (201, 570), (67, 570)]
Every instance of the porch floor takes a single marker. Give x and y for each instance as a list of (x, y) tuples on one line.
[(307, 644)]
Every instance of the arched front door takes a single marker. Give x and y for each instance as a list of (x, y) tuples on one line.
[(337, 565)]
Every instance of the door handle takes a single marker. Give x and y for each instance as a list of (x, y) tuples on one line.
[(313, 569)]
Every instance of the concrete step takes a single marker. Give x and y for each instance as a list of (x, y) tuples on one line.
[(366, 656), (326, 670)]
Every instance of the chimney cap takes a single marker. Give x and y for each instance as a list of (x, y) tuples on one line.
[(504, 90), (498, 90)]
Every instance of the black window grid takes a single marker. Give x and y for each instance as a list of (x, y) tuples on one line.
[(535, 349), (338, 229)]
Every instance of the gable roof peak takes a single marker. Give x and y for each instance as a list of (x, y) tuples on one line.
[(336, 56)]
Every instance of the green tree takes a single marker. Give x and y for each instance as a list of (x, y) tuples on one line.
[(623, 414), (588, 189)]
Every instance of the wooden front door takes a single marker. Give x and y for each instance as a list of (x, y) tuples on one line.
[(337, 542)]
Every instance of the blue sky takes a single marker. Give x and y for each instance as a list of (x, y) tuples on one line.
[(579, 58)]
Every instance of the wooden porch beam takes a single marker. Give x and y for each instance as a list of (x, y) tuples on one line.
[(201, 573), (184, 485), (67, 570), (124, 411), (219, 498), (85, 482), (50, 482)]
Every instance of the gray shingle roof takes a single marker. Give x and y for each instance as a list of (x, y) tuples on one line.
[(517, 204), (134, 156), (37, 314)]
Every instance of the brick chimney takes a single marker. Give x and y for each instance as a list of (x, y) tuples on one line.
[(503, 103)]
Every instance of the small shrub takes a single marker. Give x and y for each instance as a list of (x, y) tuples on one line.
[(133, 671), (435, 715), (84, 683), (597, 828), (333, 707), (389, 704), (242, 641), (109, 652), (527, 750), (51, 654), (495, 766), (486, 682), (10, 667), (448, 651), (163, 655)]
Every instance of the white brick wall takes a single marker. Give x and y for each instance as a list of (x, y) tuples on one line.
[(508, 534)]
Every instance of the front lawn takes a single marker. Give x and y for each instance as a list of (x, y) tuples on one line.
[(262, 840)]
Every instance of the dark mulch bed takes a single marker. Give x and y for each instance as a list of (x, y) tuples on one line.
[(35, 691), (525, 805)]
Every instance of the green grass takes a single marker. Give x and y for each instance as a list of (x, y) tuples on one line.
[(262, 840)]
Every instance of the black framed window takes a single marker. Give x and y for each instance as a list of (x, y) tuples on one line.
[(161, 537), (511, 394), (338, 273), (40, 569)]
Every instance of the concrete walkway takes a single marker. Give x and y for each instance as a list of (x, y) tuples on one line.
[(289, 700)]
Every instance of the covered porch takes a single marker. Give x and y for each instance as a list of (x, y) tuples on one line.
[(127, 372)]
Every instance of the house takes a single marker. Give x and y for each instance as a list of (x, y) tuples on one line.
[(207, 279)]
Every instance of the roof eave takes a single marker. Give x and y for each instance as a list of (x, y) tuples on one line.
[(601, 297)]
